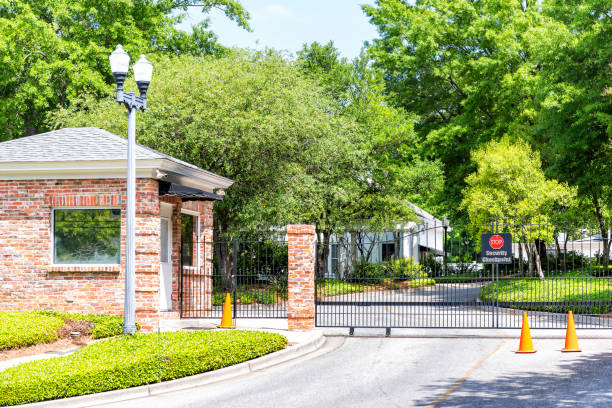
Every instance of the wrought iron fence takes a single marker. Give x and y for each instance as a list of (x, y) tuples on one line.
[(432, 275), (253, 270)]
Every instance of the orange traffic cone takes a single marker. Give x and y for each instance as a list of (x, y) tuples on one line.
[(226, 318), (571, 341), (525, 346)]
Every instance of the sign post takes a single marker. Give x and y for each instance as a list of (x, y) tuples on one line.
[(496, 249)]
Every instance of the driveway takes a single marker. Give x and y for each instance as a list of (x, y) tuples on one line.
[(421, 372)]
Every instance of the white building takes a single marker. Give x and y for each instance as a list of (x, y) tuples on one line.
[(411, 240)]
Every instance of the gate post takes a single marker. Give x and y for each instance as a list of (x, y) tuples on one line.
[(301, 285)]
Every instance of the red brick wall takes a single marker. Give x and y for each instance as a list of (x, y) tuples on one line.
[(30, 281), (301, 301)]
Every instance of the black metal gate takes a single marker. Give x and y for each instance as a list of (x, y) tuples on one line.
[(431, 275), (253, 271)]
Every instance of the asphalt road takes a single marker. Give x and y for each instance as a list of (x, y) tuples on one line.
[(406, 372)]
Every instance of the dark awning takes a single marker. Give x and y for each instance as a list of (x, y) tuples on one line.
[(186, 193)]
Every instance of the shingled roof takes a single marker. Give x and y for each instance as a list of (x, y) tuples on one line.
[(73, 144), (70, 146)]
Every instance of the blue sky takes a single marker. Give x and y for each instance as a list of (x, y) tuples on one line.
[(287, 24)]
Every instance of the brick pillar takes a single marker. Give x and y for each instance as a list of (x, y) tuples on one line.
[(301, 301)]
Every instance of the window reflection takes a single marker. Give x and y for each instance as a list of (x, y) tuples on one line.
[(87, 236)]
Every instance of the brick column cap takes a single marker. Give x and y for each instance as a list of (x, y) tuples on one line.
[(301, 229)]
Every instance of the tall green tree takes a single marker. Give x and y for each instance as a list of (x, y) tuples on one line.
[(250, 117), (466, 68), (391, 174), (574, 129), (51, 51), (255, 119), (509, 185)]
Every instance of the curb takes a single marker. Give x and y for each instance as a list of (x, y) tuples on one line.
[(223, 374)]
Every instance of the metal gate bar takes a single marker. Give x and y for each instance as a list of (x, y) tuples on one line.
[(254, 270), (435, 278)]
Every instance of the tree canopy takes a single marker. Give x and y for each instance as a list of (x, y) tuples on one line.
[(510, 187), (51, 51), (393, 175), (252, 117), (474, 71)]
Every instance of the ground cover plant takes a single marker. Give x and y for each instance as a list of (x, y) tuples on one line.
[(129, 361), (22, 329), (568, 288)]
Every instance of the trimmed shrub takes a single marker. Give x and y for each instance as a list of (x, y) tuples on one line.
[(431, 265), (397, 269), (366, 272), (130, 361), (22, 329), (404, 268)]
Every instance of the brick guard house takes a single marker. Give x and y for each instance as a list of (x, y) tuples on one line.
[(62, 224)]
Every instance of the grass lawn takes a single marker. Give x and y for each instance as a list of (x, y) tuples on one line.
[(333, 287), (129, 361), (466, 277), (557, 289), (22, 329)]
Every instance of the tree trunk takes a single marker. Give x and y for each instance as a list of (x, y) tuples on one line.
[(565, 251), (225, 257), (538, 262), (520, 256), (361, 246), (529, 257), (397, 243), (557, 246), (605, 256), (323, 254), (353, 251)]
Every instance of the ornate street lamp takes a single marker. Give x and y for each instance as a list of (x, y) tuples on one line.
[(143, 70)]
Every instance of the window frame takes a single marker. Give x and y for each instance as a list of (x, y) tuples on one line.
[(196, 216), (85, 265)]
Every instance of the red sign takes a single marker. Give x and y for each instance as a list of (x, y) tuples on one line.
[(496, 241)]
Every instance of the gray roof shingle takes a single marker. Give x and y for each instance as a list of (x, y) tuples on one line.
[(75, 144)]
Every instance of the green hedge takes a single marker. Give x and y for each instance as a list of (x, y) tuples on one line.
[(130, 361), (22, 329)]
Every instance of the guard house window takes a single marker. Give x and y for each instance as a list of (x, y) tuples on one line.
[(187, 233), (388, 250), (87, 236)]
